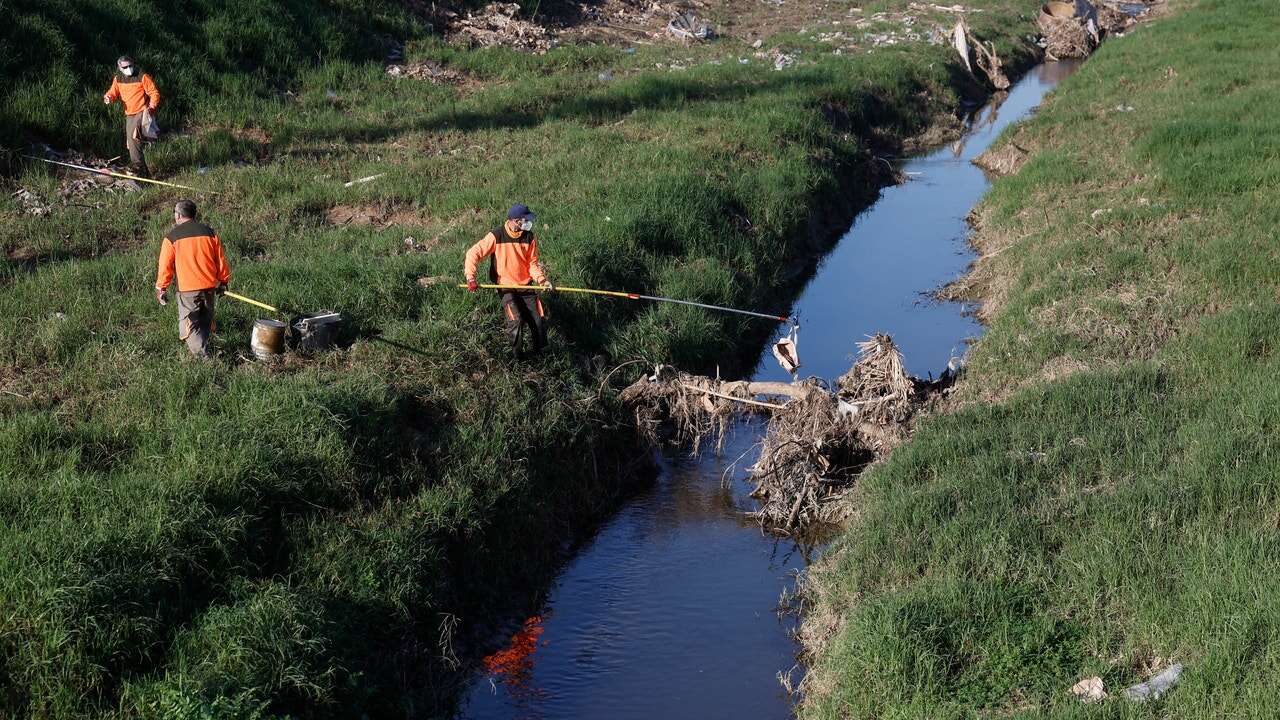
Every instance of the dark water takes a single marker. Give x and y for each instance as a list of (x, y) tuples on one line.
[(670, 610)]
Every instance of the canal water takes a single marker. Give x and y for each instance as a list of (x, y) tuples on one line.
[(669, 611)]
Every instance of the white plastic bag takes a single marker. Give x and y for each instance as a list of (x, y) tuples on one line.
[(150, 130)]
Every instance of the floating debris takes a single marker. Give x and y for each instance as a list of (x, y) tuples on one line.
[(1075, 28), (818, 439)]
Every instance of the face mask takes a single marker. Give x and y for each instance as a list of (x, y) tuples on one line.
[(526, 225), (128, 71)]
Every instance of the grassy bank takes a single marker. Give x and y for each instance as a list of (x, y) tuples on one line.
[(1105, 501), (222, 539)]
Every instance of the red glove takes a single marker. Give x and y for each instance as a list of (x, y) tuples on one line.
[(472, 285)]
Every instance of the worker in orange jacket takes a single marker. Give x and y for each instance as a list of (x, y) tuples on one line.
[(514, 249), (138, 92), (194, 250)]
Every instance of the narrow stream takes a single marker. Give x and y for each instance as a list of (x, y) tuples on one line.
[(670, 610)]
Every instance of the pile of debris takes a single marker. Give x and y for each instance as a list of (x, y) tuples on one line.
[(497, 24), (1075, 28), (818, 440), (32, 204), (432, 72), (75, 188)]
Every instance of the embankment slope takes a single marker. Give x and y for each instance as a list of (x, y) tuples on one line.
[(323, 536), (1104, 502)]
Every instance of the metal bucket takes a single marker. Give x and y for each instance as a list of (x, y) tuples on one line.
[(267, 341), (318, 331)]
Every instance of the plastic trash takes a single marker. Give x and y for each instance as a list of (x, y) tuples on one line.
[(150, 130), (1156, 686)]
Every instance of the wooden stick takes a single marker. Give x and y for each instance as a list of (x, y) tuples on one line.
[(757, 403)]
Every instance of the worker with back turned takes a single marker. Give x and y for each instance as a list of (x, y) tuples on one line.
[(192, 251)]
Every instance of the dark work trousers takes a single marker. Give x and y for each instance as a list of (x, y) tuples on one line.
[(195, 319), (133, 142), (521, 309)]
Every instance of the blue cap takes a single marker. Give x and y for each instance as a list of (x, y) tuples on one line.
[(519, 212)]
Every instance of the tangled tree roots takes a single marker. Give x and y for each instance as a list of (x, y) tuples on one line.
[(817, 441)]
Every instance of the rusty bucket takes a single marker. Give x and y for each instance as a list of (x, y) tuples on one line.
[(267, 341)]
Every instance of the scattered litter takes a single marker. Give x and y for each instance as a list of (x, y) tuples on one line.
[(363, 180), (32, 204), (331, 94), (1156, 686), (605, 76), (59, 316), (758, 44), (432, 281), (687, 26), (428, 70), (202, 170), (74, 189), (497, 24), (744, 61), (1028, 455), (1099, 213), (412, 245), (1090, 690), (779, 58), (944, 8), (629, 51), (1124, 108)]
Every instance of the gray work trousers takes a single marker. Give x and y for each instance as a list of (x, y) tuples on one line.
[(133, 141), (195, 320)]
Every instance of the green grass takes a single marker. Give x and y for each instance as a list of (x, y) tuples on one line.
[(223, 539), (1135, 348)]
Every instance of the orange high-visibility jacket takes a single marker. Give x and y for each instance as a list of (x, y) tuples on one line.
[(196, 251), (515, 258), (137, 92)]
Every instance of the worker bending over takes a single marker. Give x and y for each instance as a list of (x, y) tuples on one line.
[(194, 250), (514, 248), (138, 92)]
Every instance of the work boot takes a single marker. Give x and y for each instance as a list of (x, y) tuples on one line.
[(140, 170)]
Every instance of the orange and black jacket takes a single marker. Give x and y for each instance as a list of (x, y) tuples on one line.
[(515, 258), (195, 250), (136, 91)]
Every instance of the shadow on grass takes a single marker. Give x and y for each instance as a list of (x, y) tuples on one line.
[(862, 111)]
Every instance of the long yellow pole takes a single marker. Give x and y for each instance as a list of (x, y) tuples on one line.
[(251, 301), (589, 291), (637, 296), (100, 171)]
